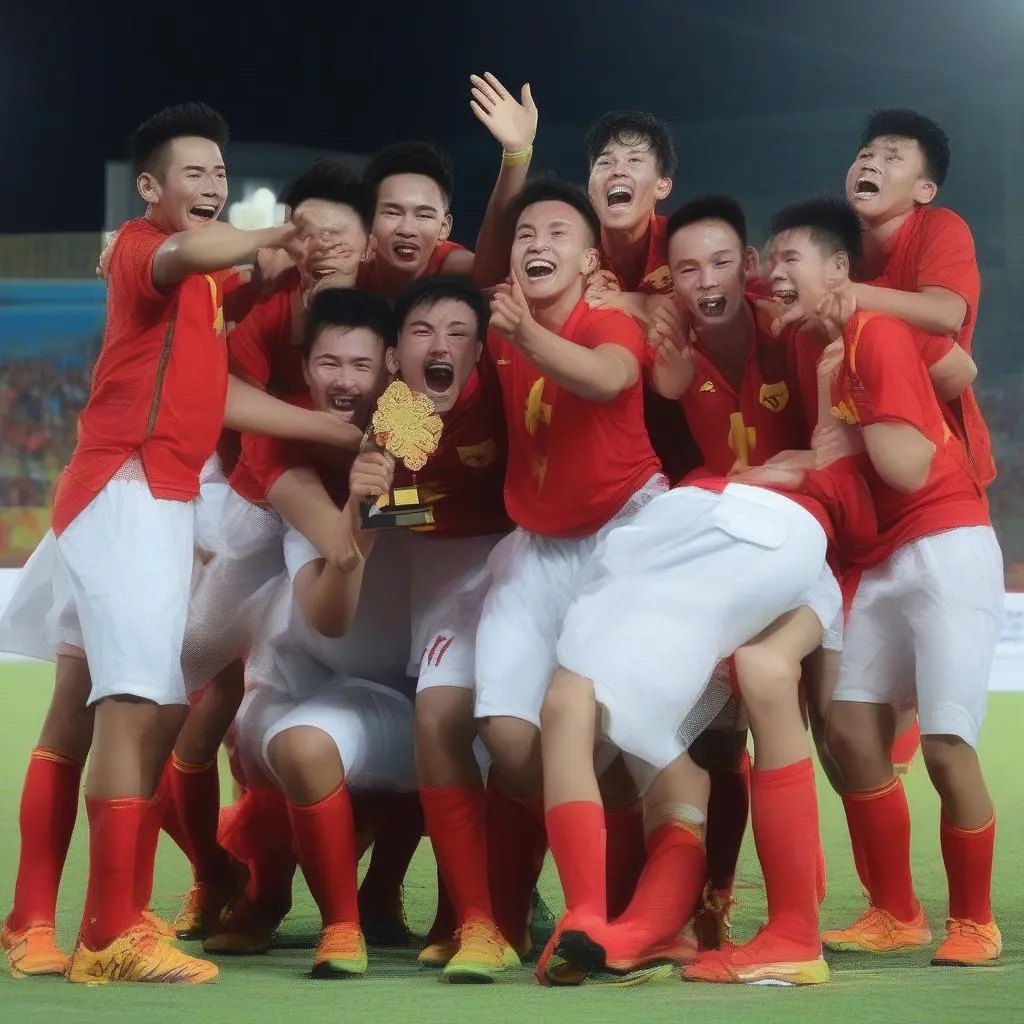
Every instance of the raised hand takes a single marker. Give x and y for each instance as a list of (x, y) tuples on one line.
[(509, 309), (512, 122)]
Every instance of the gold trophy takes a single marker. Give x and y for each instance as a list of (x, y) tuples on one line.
[(405, 426)]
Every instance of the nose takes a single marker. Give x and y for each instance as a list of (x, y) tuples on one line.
[(406, 226), (708, 277)]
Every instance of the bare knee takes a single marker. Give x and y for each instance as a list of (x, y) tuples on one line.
[(766, 676), (445, 718), (945, 758), (514, 744), (307, 762), (569, 696)]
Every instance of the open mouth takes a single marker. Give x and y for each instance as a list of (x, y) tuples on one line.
[(340, 402), (319, 273), (787, 296), (537, 269), (711, 305), (439, 376), (203, 211), (865, 188), (618, 197), (405, 251)]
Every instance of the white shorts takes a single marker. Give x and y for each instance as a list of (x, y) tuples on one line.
[(128, 559), (535, 580), (450, 579), (371, 725), (239, 562), (41, 616), (923, 630), (694, 577)]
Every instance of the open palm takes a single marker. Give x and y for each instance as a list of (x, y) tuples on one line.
[(511, 122)]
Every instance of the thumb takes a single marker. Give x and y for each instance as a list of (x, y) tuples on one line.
[(517, 289), (527, 97)]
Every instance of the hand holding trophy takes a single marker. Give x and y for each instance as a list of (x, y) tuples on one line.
[(405, 426)]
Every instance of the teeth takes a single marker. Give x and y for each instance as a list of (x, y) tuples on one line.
[(709, 303), (539, 267), (618, 194), (785, 295)]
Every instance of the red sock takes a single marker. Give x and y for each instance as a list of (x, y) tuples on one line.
[(325, 840), (49, 806), (905, 745), (516, 843), (262, 833), (785, 822), (670, 884), (860, 857), (822, 875), (110, 909), (967, 854), (882, 820), (577, 836), (626, 856), (146, 847), (728, 808), (444, 924), (456, 819), (195, 793)]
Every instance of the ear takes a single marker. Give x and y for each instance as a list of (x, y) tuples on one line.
[(479, 351), (590, 261), (391, 359), (751, 262), (662, 187), (925, 191), (839, 267), (446, 228), (305, 371), (148, 187)]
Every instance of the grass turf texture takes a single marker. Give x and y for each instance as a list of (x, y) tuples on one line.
[(276, 988)]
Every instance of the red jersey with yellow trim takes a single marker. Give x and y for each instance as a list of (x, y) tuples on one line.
[(656, 278), (159, 384), (572, 463), (369, 272), (269, 458), (882, 379), (934, 248), (765, 416), (464, 479)]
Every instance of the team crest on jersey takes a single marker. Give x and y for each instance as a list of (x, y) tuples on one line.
[(708, 387), (658, 280), (846, 412), (774, 397), (478, 455)]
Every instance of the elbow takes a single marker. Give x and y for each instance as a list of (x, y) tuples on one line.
[(910, 479), (332, 627)]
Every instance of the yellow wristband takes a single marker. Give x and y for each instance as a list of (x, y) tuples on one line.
[(517, 158)]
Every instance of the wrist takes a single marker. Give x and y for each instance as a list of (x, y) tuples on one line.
[(517, 157)]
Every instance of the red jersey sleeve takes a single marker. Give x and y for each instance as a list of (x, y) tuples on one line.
[(613, 327), (932, 347), (946, 255), (132, 260), (894, 384), (269, 458), (248, 351)]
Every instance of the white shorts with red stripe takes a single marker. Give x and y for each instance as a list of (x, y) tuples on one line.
[(450, 579)]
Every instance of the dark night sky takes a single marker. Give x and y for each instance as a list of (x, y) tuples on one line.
[(354, 75)]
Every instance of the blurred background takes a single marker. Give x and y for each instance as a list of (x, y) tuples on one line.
[(765, 103)]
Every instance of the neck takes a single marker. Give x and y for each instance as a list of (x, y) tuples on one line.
[(879, 235), (553, 313), (626, 249), (729, 341)]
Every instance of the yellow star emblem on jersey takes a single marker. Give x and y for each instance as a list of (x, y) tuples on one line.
[(538, 412)]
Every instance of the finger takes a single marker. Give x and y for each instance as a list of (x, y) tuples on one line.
[(481, 114), (789, 317), (485, 103), (482, 86), (527, 98), (517, 289), (492, 81)]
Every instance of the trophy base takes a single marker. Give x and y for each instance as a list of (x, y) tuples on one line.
[(402, 509)]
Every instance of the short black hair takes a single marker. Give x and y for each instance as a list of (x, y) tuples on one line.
[(428, 291), (150, 142), (413, 158), (329, 179), (624, 127), (830, 220), (909, 124), (551, 189), (348, 308), (723, 208)]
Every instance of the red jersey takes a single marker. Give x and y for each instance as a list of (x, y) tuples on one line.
[(369, 273), (934, 248), (269, 458), (883, 380), (657, 277), (770, 401), (572, 463), (159, 384), (464, 479)]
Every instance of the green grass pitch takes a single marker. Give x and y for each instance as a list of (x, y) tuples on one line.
[(277, 989)]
